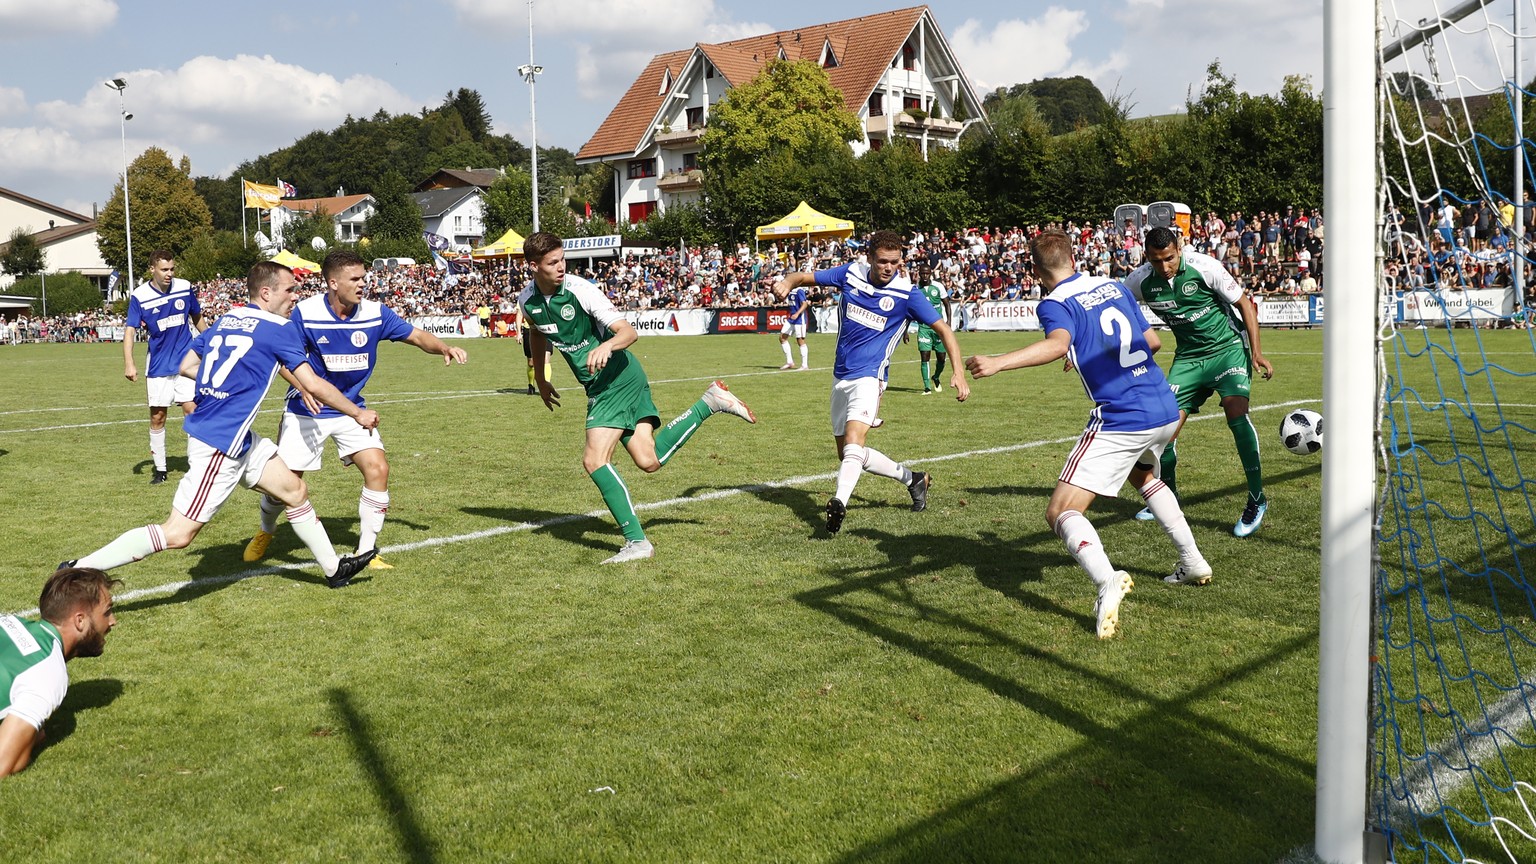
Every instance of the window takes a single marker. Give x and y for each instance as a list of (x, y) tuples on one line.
[(458, 223), (666, 82), (639, 210), (908, 57), (876, 104), (695, 117), (709, 70), (828, 56), (909, 103), (639, 168), (876, 143), (690, 161)]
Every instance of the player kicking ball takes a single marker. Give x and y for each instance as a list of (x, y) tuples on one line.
[(233, 363), (572, 315), (1095, 324)]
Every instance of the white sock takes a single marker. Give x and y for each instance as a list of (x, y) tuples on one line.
[(848, 473), (371, 507), (307, 525), (157, 447), (805, 354), (270, 508), (880, 464), (1082, 541), (788, 358), (132, 545), (1165, 507)]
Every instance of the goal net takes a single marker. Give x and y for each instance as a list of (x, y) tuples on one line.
[(1453, 713)]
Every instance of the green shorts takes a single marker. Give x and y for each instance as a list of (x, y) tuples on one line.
[(1194, 379), (623, 402), (928, 340)]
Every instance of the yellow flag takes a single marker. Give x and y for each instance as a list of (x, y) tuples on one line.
[(262, 197)]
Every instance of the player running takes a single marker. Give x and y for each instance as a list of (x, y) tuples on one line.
[(1094, 323), (574, 316), (234, 362), (168, 310), (1216, 328), (875, 302), (342, 332)]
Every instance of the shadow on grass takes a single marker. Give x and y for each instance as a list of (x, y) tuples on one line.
[(82, 696), (1167, 784), (174, 465), (414, 843), (578, 529)]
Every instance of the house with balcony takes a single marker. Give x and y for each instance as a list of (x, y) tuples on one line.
[(454, 212), (349, 214), (67, 238), (895, 69)]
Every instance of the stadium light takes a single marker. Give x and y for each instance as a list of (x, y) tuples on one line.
[(529, 71), (120, 84)]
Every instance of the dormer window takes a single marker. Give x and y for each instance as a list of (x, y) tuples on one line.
[(828, 56), (908, 57), (666, 82)]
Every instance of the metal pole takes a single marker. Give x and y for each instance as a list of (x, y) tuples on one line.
[(529, 71), (1517, 230), (127, 213), (43, 275), (1349, 403)]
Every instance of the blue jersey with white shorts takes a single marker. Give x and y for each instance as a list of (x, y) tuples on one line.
[(167, 316), (871, 318), (240, 355), (1110, 354), (796, 300), (343, 351)]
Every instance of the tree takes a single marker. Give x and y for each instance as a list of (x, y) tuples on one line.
[(1068, 103), (508, 204), (23, 256), (1005, 162), (68, 293), (166, 210), (396, 216), (471, 108)]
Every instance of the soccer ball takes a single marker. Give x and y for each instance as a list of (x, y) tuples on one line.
[(1302, 432)]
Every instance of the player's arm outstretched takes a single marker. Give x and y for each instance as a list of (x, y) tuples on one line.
[(326, 392), (791, 281), (18, 740), (952, 345), (1048, 350), (537, 345), (433, 345), (308, 398)]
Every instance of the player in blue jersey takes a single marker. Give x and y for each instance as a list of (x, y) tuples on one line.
[(873, 308), (342, 332), (794, 326), (76, 612), (234, 362), (167, 309), (1098, 327)]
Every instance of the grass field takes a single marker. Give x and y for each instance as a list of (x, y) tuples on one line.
[(923, 687)]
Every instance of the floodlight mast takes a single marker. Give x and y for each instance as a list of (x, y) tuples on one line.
[(528, 71), (121, 84)]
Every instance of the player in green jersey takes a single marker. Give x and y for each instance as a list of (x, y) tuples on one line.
[(76, 610), (1217, 330), (574, 317), (928, 342)]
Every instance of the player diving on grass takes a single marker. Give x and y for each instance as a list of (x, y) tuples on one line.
[(875, 302), (1093, 322), (342, 332), (572, 315), (1217, 330)]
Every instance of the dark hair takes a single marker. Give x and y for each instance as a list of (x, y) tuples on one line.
[(71, 588), (539, 244), (1052, 250), (161, 255), (1161, 238), (886, 240), (263, 274), (338, 261)]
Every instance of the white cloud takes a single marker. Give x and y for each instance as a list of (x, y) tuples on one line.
[(993, 53), (12, 101), (29, 19)]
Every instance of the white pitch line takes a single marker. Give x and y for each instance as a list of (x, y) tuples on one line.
[(173, 587)]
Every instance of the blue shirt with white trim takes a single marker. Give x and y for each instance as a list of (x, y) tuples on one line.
[(240, 355), (1129, 391), (796, 300), (167, 316), (343, 351), (871, 318)]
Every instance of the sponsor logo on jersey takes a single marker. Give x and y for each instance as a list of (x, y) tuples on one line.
[(548, 329), (216, 394), (170, 322), (322, 341), (1233, 370), (359, 338), (567, 312), (866, 317), (20, 636), (1099, 296), (247, 325), (345, 362)]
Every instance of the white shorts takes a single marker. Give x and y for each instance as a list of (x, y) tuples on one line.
[(301, 440), (171, 389), (1102, 460), (795, 330), (855, 399), (212, 477)]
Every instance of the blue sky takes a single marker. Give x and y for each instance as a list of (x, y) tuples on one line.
[(224, 82)]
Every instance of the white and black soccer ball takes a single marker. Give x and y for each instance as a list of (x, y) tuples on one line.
[(1302, 432)]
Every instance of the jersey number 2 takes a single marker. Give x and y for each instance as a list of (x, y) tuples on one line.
[(1114, 323), (237, 345)]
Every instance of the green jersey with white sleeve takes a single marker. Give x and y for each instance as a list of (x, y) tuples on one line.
[(32, 676), (575, 320), (1198, 304)]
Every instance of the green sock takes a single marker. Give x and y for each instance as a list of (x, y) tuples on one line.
[(925, 375), (671, 437), (1170, 462), (938, 366), (1248, 451), (616, 496)]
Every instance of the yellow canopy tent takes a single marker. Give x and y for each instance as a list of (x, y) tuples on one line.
[(508, 245), (294, 262), (806, 222)]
